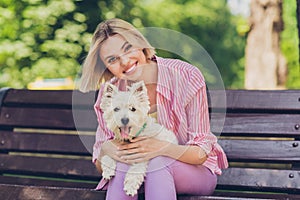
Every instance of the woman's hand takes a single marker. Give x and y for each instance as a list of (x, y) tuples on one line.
[(110, 148), (141, 149)]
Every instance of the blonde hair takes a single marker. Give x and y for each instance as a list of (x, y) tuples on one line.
[(94, 70)]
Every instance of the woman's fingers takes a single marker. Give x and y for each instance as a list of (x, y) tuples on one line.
[(131, 145), (135, 158)]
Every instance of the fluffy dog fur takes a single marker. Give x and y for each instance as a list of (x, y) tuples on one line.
[(125, 113)]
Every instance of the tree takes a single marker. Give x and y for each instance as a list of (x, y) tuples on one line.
[(40, 38), (210, 23), (265, 65), (290, 43)]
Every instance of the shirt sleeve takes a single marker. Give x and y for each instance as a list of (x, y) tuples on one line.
[(102, 133), (198, 117)]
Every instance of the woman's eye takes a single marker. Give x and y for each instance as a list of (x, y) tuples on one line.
[(128, 47), (112, 60), (132, 109), (116, 109)]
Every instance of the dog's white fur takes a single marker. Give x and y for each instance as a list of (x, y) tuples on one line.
[(134, 106)]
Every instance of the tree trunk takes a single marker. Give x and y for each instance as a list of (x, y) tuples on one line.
[(266, 67)]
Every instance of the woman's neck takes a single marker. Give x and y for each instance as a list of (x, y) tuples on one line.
[(150, 73)]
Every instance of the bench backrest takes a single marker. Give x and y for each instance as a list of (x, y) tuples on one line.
[(261, 138), (50, 134), (39, 138)]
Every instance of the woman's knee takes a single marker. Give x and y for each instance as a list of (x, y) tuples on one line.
[(160, 163)]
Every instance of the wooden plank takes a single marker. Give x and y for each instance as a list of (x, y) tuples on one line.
[(261, 179), (255, 150), (242, 99), (236, 99), (32, 117), (48, 118), (48, 166), (281, 125), (12, 192), (259, 99), (85, 119), (50, 97), (22, 96), (46, 182), (46, 143), (239, 195), (87, 99)]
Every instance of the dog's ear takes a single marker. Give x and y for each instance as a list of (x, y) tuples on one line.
[(108, 92), (138, 87), (140, 91)]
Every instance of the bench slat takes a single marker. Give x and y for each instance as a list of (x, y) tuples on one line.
[(49, 97), (280, 151), (235, 99), (260, 124), (12, 192), (259, 99), (43, 182), (239, 195), (261, 179), (58, 97), (46, 143), (48, 118), (53, 167)]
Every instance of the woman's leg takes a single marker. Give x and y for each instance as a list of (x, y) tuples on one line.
[(193, 179), (166, 177), (116, 184), (159, 182)]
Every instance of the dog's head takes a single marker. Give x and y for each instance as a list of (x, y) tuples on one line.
[(125, 112)]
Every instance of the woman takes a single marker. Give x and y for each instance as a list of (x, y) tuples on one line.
[(177, 92)]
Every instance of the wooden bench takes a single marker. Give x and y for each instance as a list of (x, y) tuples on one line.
[(46, 140)]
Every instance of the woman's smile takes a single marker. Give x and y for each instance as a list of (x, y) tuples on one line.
[(122, 58), (131, 69)]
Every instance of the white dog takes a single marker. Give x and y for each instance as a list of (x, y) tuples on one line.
[(126, 114)]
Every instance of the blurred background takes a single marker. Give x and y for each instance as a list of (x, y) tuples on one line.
[(254, 43)]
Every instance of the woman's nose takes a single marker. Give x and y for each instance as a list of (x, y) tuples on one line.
[(124, 60)]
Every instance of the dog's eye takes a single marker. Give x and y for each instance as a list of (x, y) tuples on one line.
[(116, 109), (132, 109)]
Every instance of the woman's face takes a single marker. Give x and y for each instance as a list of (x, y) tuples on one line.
[(122, 58)]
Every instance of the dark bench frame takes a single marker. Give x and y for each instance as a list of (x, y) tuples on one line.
[(42, 155)]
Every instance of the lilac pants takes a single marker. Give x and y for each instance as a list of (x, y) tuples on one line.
[(164, 178)]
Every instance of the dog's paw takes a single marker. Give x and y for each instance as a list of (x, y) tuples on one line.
[(108, 173), (108, 166), (131, 189), (132, 183)]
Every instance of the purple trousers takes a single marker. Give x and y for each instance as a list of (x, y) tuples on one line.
[(164, 179)]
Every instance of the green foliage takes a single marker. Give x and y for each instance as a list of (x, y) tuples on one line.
[(50, 38), (210, 23), (289, 43), (40, 39)]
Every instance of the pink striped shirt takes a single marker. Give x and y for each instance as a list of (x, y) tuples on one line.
[(181, 107)]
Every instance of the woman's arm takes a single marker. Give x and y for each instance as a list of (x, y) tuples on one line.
[(144, 148), (190, 154)]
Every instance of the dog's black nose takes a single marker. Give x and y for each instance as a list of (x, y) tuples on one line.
[(125, 121)]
